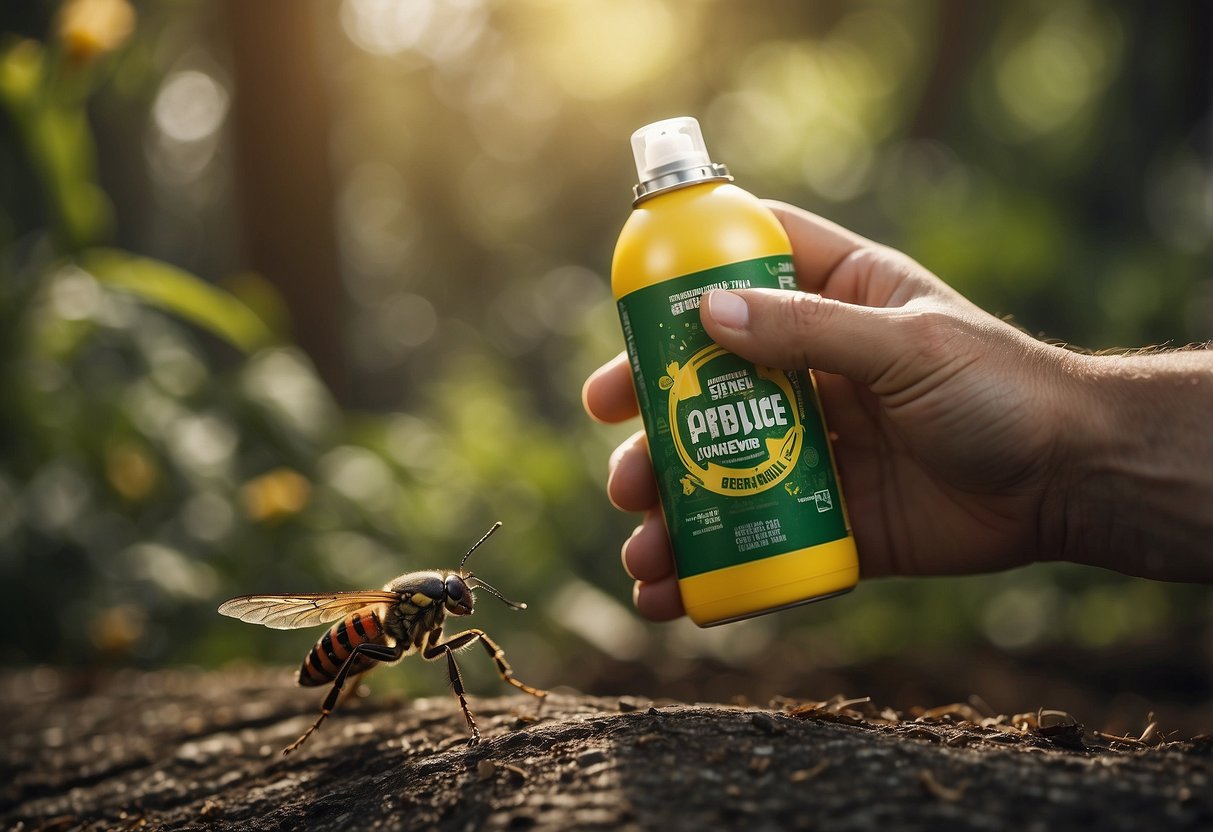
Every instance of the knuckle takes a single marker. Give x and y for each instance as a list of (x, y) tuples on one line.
[(891, 259), (890, 276), (801, 311), (937, 335), (899, 260), (800, 316), (867, 260)]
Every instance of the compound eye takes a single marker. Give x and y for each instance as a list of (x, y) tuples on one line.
[(454, 588)]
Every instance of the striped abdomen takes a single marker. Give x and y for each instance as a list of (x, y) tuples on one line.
[(326, 657)]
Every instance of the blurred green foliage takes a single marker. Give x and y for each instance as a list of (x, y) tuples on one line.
[(163, 446)]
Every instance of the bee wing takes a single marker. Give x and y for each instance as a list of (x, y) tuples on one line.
[(286, 612)]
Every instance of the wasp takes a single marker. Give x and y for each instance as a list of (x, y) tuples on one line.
[(375, 627)]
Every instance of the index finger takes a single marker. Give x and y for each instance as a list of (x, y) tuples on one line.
[(608, 394), (818, 245)]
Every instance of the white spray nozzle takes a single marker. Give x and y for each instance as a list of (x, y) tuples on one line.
[(667, 146)]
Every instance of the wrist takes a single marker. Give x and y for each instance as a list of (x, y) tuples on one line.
[(1132, 483)]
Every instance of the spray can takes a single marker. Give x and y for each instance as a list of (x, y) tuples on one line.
[(748, 485)]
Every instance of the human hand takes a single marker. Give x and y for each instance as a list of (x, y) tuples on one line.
[(946, 418)]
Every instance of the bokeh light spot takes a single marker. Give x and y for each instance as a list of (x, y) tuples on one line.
[(600, 50), (190, 106)]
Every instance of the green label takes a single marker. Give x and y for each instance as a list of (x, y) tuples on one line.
[(740, 451)]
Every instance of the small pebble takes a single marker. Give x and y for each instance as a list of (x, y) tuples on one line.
[(766, 722), (627, 704), (920, 733), (517, 775)]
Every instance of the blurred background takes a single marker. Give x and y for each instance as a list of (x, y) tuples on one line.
[(298, 296)]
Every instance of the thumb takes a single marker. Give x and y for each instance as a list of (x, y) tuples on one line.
[(797, 330)]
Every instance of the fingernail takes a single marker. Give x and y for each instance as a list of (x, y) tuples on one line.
[(728, 309)]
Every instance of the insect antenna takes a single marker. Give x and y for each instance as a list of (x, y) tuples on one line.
[(476, 545), (477, 583)]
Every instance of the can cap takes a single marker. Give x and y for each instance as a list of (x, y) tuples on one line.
[(670, 153)]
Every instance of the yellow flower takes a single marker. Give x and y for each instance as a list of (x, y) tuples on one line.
[(91, 28), (131, 471), (276, 494)]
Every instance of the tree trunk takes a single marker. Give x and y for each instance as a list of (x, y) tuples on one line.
[(284, 182)]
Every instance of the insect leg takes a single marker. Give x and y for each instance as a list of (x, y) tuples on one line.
[(495, 652), (357, 689), (433, 651), (370, 650), (457, 684), (461, 640)]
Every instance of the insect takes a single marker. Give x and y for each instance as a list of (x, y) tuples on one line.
[(381, 627)]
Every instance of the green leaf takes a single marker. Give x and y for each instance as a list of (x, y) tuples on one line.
[(181, 293)]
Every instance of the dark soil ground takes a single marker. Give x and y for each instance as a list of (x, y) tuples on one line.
[(195, 750)]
